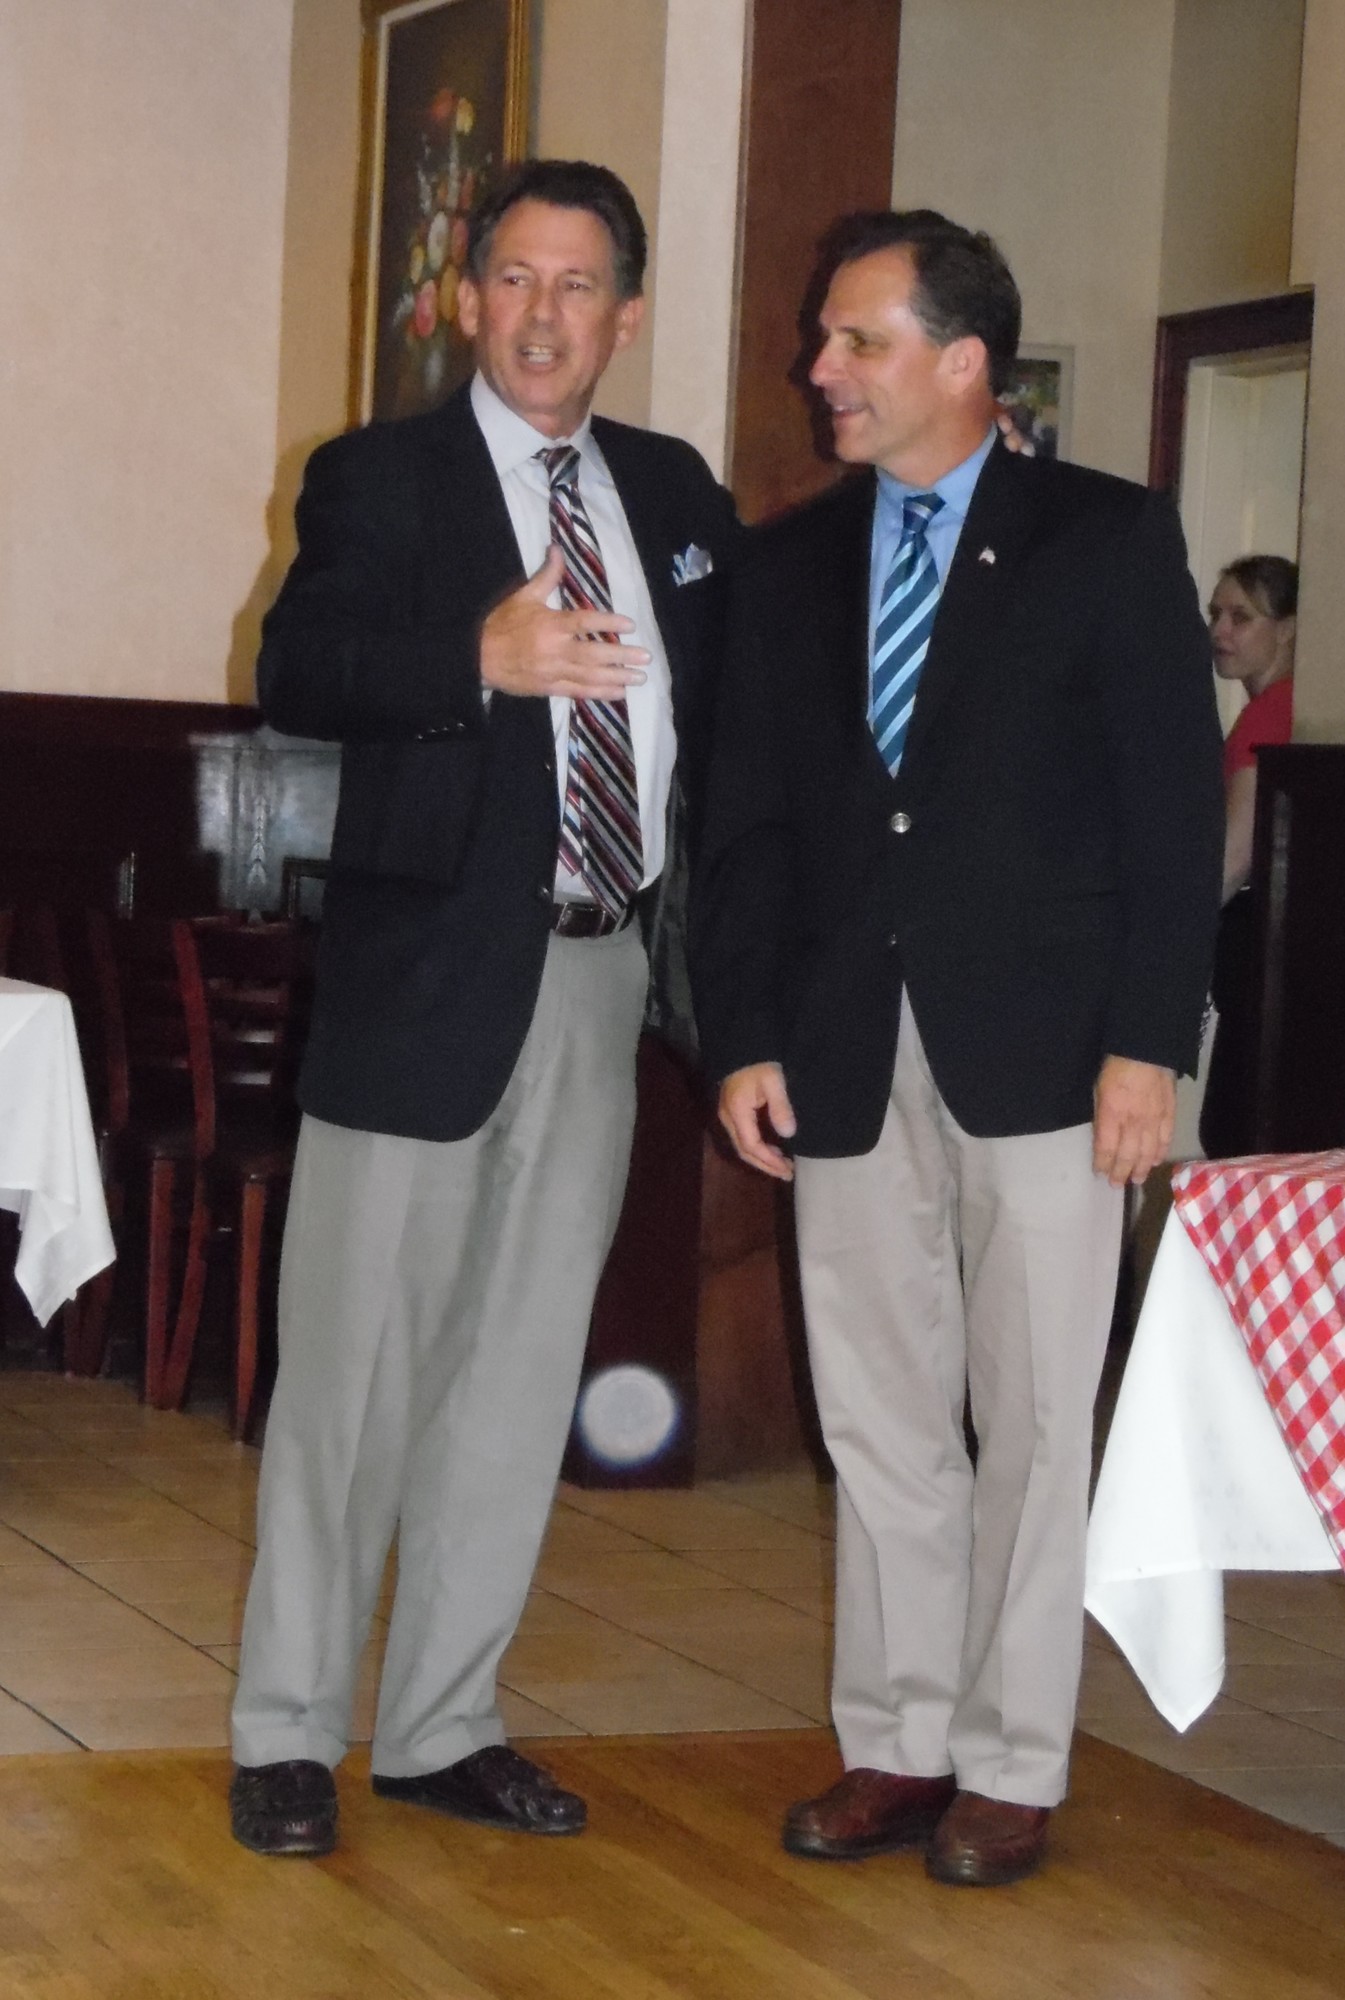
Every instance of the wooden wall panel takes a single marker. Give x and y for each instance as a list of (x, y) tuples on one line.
[(208, 801), (819, 128)]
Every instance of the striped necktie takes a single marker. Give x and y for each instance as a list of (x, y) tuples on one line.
[(901, 632), (600, 837)]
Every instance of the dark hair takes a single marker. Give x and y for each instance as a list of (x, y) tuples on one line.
[(566, 184), (1271, 582), (963, 285)]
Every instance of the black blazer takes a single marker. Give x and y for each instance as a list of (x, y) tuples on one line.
[(1042, 875), (435, 919)]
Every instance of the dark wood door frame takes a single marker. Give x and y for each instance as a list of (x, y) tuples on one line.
[(1184, 338)]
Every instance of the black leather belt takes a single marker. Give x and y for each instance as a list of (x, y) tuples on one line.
[(587, 920)]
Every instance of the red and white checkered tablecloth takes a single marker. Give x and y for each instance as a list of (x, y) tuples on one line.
[(1272, 1230)]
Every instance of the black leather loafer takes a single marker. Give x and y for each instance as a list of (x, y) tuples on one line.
[(493, 1787), (284, 1808)]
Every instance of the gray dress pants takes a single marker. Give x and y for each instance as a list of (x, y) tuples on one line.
[(434, 1308)]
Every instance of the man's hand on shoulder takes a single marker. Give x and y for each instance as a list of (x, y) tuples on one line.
[(1134, 1105), (743, 1097), (527, 648)]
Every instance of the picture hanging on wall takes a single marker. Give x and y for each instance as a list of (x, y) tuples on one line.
[(445, 111), (1039, 398)]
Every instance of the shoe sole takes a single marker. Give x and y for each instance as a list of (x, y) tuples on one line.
[(816, 1848), (395, 1789), (296, 1850), (968, 1876)]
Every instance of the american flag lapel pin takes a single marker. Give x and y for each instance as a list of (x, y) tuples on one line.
[(986, 556)]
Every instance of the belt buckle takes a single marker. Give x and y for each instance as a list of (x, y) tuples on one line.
[(576, 919)]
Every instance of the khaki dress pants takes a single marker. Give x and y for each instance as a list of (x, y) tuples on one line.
[(940, 1269)]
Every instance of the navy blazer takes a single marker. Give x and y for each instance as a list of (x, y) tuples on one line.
[(1043, 873), (435, 920)]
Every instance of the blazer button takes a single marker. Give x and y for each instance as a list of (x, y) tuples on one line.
[(544, 892), (900, 822)]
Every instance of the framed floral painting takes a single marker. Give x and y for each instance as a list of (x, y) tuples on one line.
[(445, 110), (1040, 396)]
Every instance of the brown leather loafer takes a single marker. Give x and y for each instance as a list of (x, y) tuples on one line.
[(284, 1808), (980, 1843), (493, 1787), (867, 1812)]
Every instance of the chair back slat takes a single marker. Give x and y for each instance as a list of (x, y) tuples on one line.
[(153, 1049), (258, 983)]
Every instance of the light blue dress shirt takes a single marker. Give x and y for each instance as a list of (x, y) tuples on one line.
[(954, 489)]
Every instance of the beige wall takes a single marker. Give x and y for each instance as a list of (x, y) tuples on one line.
[(1045, 122), (176, 322), (142, 177), (1233, 116), (599, 96), (174, 305), (1319, 260), (320, 192), (692, 342)]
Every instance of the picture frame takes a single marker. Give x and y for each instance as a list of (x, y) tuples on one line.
[(1040, 398), (444, 112)]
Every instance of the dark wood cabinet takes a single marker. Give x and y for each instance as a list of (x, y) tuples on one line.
[(1298, 889)]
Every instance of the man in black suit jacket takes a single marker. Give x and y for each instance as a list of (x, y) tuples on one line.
[(955, 952), (471, 602)]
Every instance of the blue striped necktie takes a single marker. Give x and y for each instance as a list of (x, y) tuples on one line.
[(600, 837), (901, 631)]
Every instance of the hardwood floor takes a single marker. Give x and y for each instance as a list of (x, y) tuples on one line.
[(118, 1881)]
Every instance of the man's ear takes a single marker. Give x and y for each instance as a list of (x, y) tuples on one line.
[(469, 306), (965, 364), (629, 320)]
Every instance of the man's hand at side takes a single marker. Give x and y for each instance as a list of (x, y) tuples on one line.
[(742, 1098), (527, 648), (1134, 1104)]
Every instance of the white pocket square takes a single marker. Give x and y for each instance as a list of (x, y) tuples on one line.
[(691, 565)]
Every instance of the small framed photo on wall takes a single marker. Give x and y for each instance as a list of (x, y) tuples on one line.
[(445, 110), (1040, 398)]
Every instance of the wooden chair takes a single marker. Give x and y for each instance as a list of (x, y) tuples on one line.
[(246, 991), (151, 1131)]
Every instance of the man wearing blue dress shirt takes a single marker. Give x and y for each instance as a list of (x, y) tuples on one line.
[(956, 907)]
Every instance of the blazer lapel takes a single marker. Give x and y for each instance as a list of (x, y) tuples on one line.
[(467, 521), (850, 566), (999, 521), (653, 544)]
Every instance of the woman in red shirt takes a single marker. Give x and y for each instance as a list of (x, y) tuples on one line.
[(1253, 619)]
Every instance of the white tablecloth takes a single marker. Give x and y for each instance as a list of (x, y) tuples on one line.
[(48, 1160), (1196, 1479)]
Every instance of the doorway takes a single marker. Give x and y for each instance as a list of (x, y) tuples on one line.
[(1230, 403), (1242, 468)]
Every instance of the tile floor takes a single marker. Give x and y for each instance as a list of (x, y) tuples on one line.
[(125, 1545)]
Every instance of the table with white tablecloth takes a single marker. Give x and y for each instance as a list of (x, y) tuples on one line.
[(48, 1158), (1227, 1444)]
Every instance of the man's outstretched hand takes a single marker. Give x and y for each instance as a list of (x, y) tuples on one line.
[(743, 1097), (527, 648)]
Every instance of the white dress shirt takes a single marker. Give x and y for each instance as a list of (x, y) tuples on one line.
[(513, 445)]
